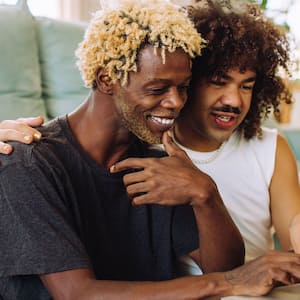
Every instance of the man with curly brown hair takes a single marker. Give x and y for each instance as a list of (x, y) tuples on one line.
[(131, 250), (235, 85)]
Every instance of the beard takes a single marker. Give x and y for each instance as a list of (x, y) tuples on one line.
[(136, 124)]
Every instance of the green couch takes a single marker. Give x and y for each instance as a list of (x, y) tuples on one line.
[(293, 137), (38, 74), (291, 134)]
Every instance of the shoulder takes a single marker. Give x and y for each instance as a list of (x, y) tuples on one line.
[(25, 156), (259, 153), (284, 150), (21, 155), (265, 145), (268, 135), (274, 136), (267, 141), (269, 132)]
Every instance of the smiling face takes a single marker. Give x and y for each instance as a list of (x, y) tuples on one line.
[(217, 108), (154, 96)]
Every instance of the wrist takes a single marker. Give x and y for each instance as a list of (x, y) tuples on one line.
[(206, 195), (218, 285)]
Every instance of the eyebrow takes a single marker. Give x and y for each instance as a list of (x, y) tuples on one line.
[(165, 80), (227, 77), (250, 79)]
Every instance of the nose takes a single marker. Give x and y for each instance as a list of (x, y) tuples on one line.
[(175, 99), (232, 97)]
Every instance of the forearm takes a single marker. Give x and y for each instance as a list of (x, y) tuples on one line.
[(80, 284), (192, 287), (221, 244)]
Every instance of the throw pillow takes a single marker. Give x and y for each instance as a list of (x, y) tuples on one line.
[(20, 81)]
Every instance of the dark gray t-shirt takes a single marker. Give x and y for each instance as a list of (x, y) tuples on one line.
[(60, 210)]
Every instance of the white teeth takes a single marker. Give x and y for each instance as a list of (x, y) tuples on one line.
[(224, 118), (163, 121)]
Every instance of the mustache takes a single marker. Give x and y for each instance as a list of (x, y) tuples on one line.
[(228, 109)]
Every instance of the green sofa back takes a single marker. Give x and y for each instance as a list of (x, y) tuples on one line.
[(20, 81), (293, 138), (62, 86), (38, 74)]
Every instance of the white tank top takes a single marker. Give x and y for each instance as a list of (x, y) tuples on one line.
[(242, 171)]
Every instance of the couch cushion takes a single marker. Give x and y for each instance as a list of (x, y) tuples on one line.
[(20, 84), (62, 86), (293, 138)]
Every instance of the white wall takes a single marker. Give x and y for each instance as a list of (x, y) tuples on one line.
[(90, 6), (78, 9), (295, 115)]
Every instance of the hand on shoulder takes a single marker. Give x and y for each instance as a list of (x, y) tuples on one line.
[(20, 130)]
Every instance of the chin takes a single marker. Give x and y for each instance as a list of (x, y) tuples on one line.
[(153, 140), (150, 138), (221, 136)]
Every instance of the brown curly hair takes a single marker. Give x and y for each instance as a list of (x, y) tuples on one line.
[(242, 37)]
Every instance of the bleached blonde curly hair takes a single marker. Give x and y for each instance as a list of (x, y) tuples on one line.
[(116, 34)]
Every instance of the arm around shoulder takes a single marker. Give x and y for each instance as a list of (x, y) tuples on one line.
[(20, 130)]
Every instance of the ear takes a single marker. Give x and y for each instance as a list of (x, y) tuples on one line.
[(104, 82)]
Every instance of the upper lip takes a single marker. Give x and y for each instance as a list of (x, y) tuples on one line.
[(226, 110), (223, 114)]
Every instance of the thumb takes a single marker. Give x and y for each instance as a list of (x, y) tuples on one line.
[(171, 147)]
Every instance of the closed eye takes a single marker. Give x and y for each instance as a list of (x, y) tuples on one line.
[(247, 87), (157, 91), (217, 82)]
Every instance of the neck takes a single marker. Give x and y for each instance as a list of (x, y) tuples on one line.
[(194, 139), (97, 128)]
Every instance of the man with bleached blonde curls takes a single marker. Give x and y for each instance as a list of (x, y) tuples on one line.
[(74, 225), (114, 40)]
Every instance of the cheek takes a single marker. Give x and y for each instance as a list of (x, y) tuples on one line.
[(202, 104), (127, 101), (141, 102), (247, 103), (198, 116)]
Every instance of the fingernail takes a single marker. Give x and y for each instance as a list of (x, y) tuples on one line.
[(37, 136), (6, 149), (27, 138), (170, 136), (112, 168)]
